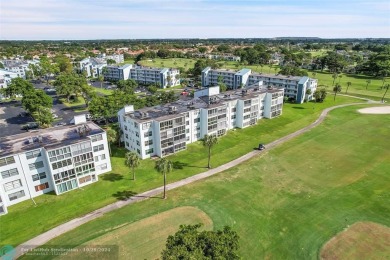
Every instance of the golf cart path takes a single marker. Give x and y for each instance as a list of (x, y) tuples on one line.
[(74, 223)]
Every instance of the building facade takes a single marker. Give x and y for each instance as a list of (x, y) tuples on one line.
[(294, 87), (92, 67), (57, 160), (164, 77), (163, 130)]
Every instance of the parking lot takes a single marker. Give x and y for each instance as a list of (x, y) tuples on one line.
[(10, 121)]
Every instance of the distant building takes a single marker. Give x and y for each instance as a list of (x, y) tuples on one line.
[(18, 66), (163, 130), (118, 58), (93, 67), (164, 77), (294, 87), (5, 79), (211, 56), (58, 159)]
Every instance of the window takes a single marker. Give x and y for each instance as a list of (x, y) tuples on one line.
[(136, 134), (125, 128), (61, 164), (36, 165), (83, 159), (12, 185), (16, 195), (98, 148), (96, 138), (135, 124), (81, 148), (196, 120), (148, 142), (85, 169), (234, 109), (96, 158), (127, 144), (187, 131), (103, 157), (33, 154), (127, 136), (42, 186), (233, 116), (66, 186), (7, 160), (138, 151), (103, 166), (187, 122), (39, 176), (148, 134), (60, 154), (85, 179), (9, 173), (149, 151), (64, 176), (137, 142)]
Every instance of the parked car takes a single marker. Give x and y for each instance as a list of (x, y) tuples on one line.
[(60, 124), (55, 115), (30, 126), (261, 147), (23, 114)]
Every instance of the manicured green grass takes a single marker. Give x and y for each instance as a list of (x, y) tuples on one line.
[(104, 91), (146, 238), (78, 105), (288, 202), (358, 84), (81, 201)]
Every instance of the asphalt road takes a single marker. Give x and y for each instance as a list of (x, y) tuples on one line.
[(10, 121)]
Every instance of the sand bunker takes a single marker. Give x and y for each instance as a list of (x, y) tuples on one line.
[(375, 110)]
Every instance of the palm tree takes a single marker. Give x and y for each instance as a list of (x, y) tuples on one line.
[(112, 136), (336, 89), (209, 141), (101, 79), (383, 82), (132, 161), (164, 166), (387, 88), (349, 83), (314, 74), (334, 76), (368, 82)]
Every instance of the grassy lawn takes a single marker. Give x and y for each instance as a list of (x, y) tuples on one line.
[(78, 105), (362, 240), (194, 159), (145, 238), (288, 202), (104, 91)]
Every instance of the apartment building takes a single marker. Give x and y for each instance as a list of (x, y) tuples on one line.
[(58, 159), (19, 67), (294, 87), (167, 129), (118, 58), (165, 77), (93, 67), (211, 56)]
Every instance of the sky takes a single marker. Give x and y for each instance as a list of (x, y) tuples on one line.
[(151, 19)]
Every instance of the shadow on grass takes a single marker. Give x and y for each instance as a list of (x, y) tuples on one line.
[(298, 107), (112, 177), (180, 165), (124, 195)]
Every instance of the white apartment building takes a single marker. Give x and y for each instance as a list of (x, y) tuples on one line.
[(211, 56), (93, 67), (118, 58), (165, 77), (5, 79), (19, 67), (294, 87), (163, 130), (58, 159)]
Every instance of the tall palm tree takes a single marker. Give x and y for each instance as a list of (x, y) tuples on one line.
[(387, 88), (132, 161), (368, 82), (112, 136), (349, 83), (164, 166), (209, 141), (336, 89), (334, 76)]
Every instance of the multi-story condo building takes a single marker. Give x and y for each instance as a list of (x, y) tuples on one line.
[(56, 159), (19, 67), (212, 56), (5, 79), (164, 77), (294, 87), (118, 58), (162, 130), (93, 67)]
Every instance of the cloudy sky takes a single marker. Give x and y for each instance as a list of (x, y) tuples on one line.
[(135, 19)]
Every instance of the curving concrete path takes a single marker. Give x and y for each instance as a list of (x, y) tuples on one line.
[(74, 223)]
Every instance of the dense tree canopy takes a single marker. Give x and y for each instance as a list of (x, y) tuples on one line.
[(190, 243)]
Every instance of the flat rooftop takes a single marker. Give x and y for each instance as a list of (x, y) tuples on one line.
[(49, 138), (185, 104)]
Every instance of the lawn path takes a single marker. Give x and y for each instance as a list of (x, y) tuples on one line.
[(74, 223)]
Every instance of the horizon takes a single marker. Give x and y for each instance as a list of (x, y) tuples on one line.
[(192, 19)]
